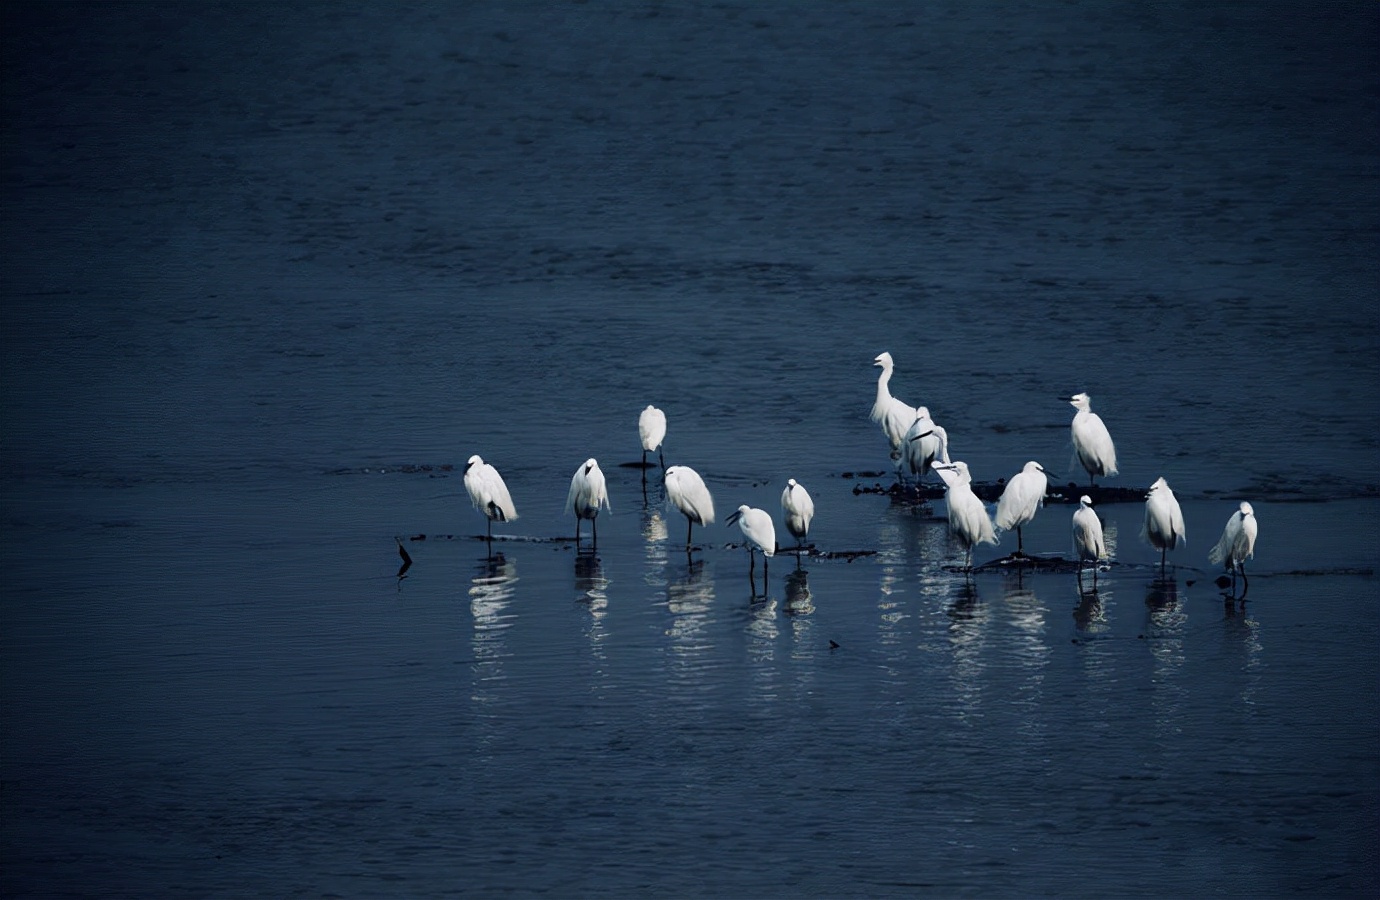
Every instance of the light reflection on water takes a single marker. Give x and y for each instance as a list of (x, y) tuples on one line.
[(1165, 622)]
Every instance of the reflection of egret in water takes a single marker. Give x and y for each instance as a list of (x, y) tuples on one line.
[(689, 599), (798, 599), (1164, 627), (762, 633), (967, 616), (1241, 628), (591, 590), (490, 593), (591, 587), (1090, 615), (1032, 653), (1099, 690), (763, 670), (908, 538), (654, 546), (800, 604)]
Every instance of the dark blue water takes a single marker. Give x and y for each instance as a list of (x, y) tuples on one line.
[(273, 273)]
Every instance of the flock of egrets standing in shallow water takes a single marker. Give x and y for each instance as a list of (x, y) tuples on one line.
[(918, 446)]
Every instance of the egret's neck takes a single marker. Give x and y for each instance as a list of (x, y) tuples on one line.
[(882, 381)]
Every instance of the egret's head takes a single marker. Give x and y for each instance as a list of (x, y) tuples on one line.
[(737, 514), (790, 482), (590, 465), (474, 461), (884, 360), (1080, 401), (1085, 501), (1033, 466), (1246, 509)]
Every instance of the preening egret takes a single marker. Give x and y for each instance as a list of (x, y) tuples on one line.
[(488, 493), (1164, 521), (1024, 495), (685, 489), (924, 444), (1092, 444), (968, 519), (651, 427), (588, 492), (1237, 543), (1087, 536), (800, 510), (894, 416), (757, 527)]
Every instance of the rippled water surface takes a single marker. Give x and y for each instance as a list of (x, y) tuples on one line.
[(274, 272)]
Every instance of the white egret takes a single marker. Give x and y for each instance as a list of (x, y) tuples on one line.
[(1023, 496), (1092, 444), (968, 520), (893, 415), (800, 510), (1087, 536), (488, 493), (1164, 521), (588, 492), (924, 444), (685, 489), (1237, 543), (651, 428), (757, 527)]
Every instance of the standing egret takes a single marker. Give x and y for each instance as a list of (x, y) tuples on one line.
[(1024, 494), (1237, 544), (1092, 444), (685, 488), (893, 415), (800, 510), (968, 519), (1087, 537), (588, 492), (924, 444), (1164, 521), (488, 493), (651, 427), (760, 533)]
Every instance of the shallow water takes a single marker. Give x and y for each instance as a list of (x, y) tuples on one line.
[(274, 274)]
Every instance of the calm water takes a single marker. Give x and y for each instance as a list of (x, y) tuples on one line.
[(271, 274)]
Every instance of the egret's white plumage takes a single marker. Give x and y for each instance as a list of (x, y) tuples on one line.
[(651, 428), (588, 493), (894, 416), (1087, 536), (760, 533), (1164, 521), (1092, 443), (799, 507), (686, 491), (488, 493), (924, 444), (1237, 543), (968, 520), (1023, 496)]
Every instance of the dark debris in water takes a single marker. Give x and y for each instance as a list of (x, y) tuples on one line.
[(434, 471), (990, 492)]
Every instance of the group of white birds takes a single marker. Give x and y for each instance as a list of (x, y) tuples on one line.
[(918, 445)]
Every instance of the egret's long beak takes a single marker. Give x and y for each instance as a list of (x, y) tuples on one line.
[(733, 519), (925, 435)]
